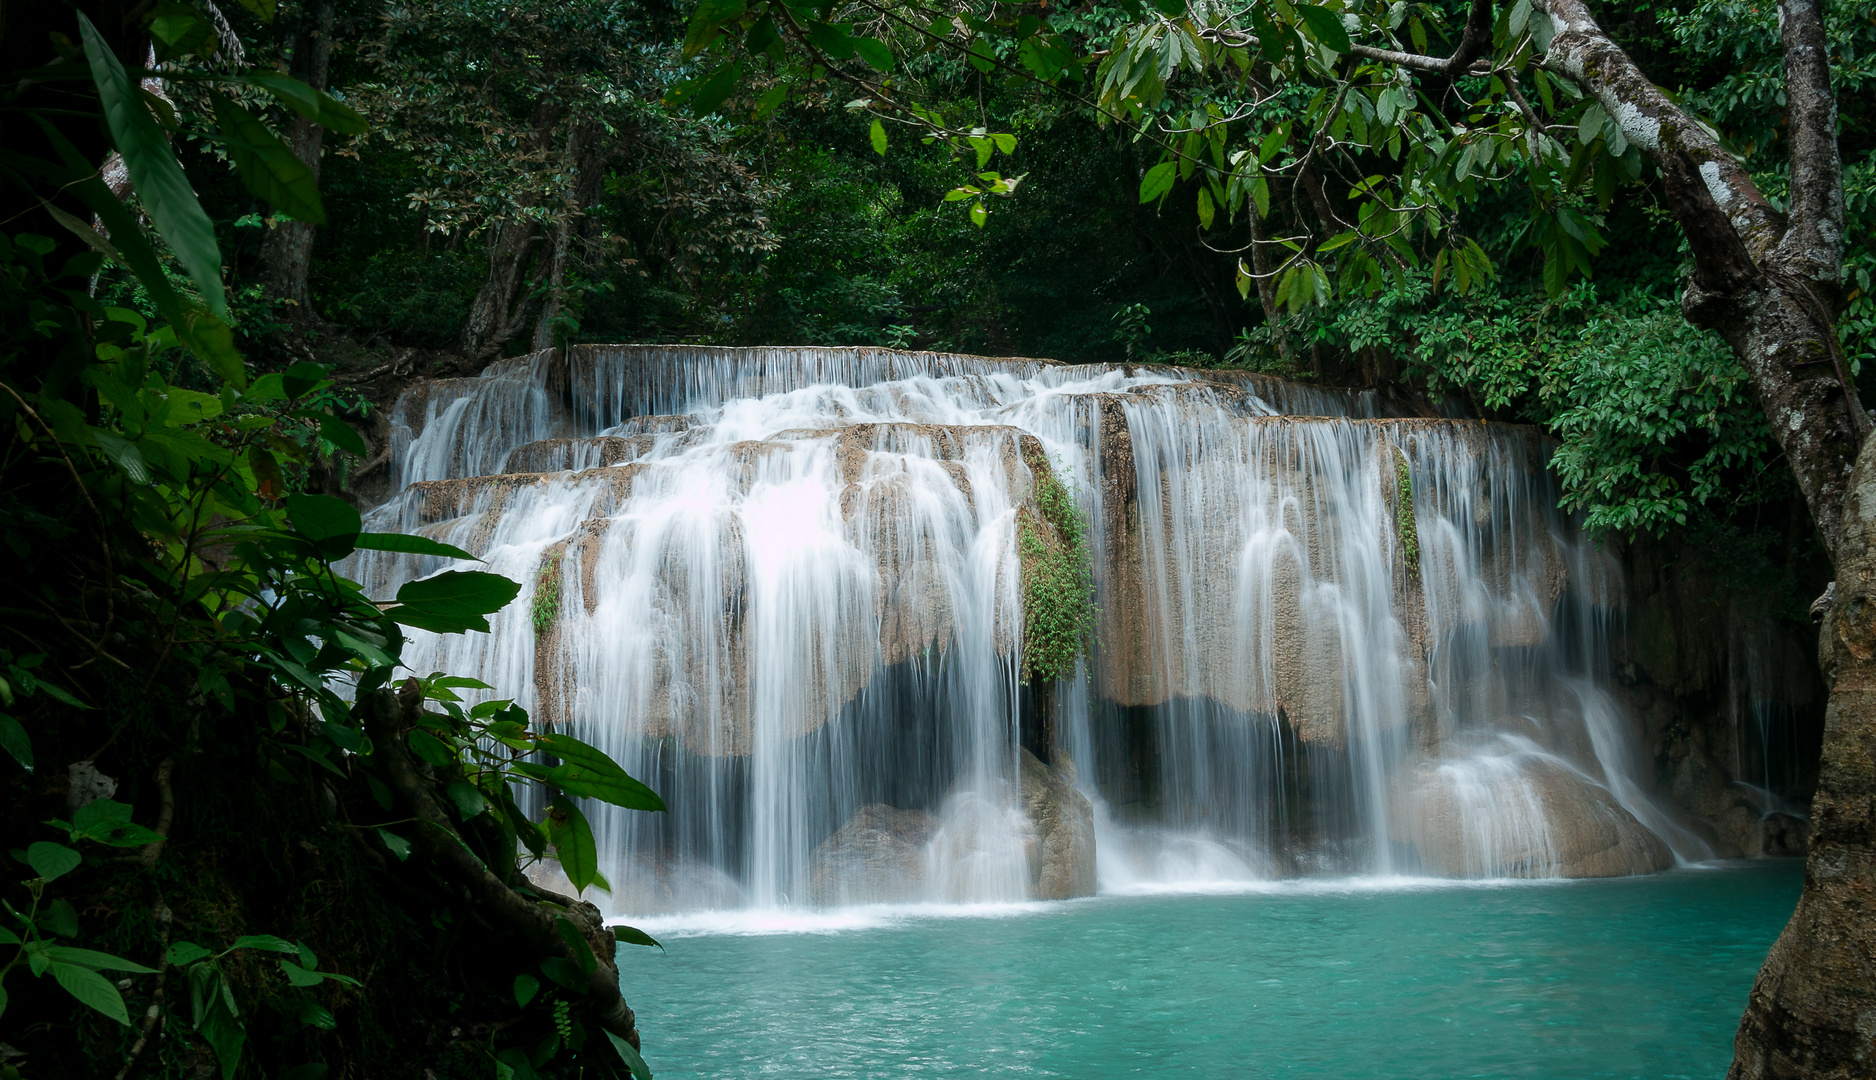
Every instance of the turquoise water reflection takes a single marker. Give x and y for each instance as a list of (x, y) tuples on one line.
[(1631, 978)]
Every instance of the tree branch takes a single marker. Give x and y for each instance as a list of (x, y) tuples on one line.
[(1473, 43), (386, 717), (1812, 246), (1689, 156)]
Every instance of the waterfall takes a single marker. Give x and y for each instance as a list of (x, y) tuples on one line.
[(785, 588)]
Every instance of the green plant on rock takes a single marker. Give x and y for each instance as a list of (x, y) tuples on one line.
[(546, 608), (1058, 579), (1404, 522)]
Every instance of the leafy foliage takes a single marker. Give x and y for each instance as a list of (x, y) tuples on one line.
[(1057, 580), (167, 500)]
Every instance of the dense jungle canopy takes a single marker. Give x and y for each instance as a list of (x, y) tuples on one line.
[(233, 234)]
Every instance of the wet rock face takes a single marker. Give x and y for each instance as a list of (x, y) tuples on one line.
[(1061, 844), (1531, 817), (877, 857)]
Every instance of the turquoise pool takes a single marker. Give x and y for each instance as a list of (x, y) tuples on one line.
[(1641, 977)]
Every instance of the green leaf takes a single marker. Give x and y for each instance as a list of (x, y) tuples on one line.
[(161, 187), (265, 943), (429, 748), (109, 822), (563, 971), (576, 943), (302, 379), (399, 846), (470, 803), (878, 134), (1157, 181), (264, 9), (316, 105), (874, 52), (51, 861), (342, 435), (97, 961), (1326, 25), (631, 935), (716, 88), (573, 843), (453, 601), (589, 772), (322, 518), (526, 986), (1206, 210), (60, 919), (631, 1057), (15, 741), (224, 1032), (184, 953), (299, 976), (200, 332), (267, 168), (91, 988)]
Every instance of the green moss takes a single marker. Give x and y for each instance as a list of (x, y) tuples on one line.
[(1404, 514), (1058, 579), (547, 592)]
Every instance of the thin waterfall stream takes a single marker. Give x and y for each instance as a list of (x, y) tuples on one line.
[(785, 587)]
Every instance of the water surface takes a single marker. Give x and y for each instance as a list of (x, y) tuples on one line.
[(1638, 977)]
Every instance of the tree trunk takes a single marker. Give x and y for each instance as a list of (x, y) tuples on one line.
[(287, 250), (500, 311), (1769, 284), (588, 150)]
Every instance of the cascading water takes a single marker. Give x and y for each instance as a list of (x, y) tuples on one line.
[(785, 587)]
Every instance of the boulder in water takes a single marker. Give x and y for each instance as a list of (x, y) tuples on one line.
[(1528, 815), (877, 857), (1061, 843)]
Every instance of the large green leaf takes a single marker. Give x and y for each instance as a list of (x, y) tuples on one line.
[(573, 843), (108, 822), (15, 741), (1326, 25), (409, 544), (632, 935), (332, 524), (184, 953), (91, 989), (453, 601), (1157, 181), (160, 184), (224, 1031), (576, 944), (95, 960), (589, 772), (197, 329), (267, 167), (631, 1057), (266, 943), (50, 860)]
